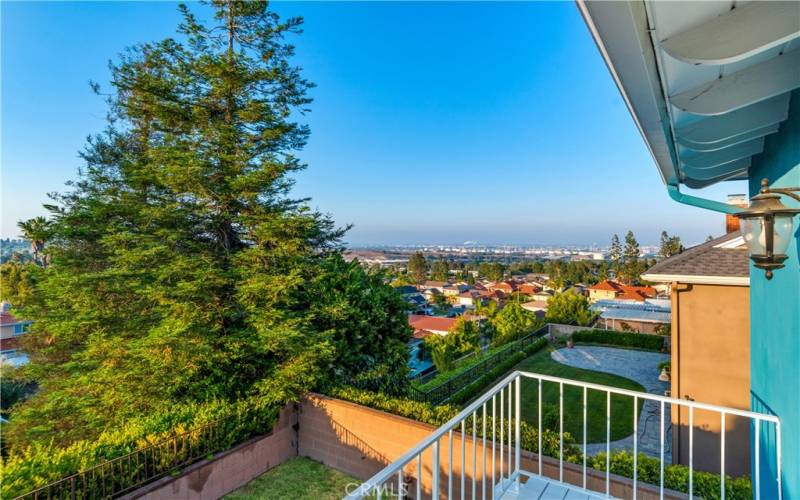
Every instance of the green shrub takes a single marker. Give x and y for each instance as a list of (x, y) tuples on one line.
[(439, 415), (676, 477), (232, 422), (622, 339)]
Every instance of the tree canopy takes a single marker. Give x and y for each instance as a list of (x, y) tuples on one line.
[(670, 245), (418, 267), (568, 307), (512, 323), (180, 267)]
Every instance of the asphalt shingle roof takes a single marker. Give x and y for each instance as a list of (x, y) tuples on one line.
[(707, 260)]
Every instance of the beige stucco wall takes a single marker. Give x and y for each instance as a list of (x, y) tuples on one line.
[(711, 364)]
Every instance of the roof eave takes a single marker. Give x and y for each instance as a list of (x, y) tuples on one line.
[(698, 280), (620, 31)]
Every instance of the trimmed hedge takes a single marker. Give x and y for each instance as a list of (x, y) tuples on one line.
[(622, 339), (233, 422)]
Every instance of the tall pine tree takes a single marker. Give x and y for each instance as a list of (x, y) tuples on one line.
[(180, 267)]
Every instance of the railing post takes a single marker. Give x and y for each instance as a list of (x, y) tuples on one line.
[(561, 431), (435, 470), (518, 417), (778, 459), (722, 456)]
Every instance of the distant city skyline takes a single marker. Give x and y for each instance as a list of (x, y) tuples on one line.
[(432, 123)]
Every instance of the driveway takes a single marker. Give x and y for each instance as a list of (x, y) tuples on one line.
[(640, 366)]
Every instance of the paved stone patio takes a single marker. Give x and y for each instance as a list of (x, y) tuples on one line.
[(640, 366)]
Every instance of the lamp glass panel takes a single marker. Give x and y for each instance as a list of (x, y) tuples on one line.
[(782, 233), (754, 235)]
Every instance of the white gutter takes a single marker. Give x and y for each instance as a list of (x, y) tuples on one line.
[(698, 280)]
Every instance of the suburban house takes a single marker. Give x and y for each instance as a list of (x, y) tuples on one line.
[(710, 345), (542, 295), (434, 285), (10, 330), (529, 288), (612, 290), (428, 325), (470, 298), (453, 290), (650, 316), (537, 307), (507, 287)]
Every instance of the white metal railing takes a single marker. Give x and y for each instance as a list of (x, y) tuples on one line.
[(505, 452)]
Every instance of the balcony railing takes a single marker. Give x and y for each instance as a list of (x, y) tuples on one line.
[(488, 435)]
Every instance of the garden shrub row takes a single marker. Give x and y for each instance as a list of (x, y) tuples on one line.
[(622, 339), (204, 429)]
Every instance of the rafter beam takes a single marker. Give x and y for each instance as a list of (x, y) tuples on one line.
[(761, 81), (721, 128), (687, 146), (700, 184), (717, 171), (707, 160), (738, 34)]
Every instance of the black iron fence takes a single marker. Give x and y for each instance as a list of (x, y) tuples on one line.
[(126, 473), (448, 388)]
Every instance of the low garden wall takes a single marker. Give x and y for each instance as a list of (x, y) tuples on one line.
[(359, 441), (232, 469)]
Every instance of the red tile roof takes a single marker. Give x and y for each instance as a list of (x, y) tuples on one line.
[(626, 292), (421, 334), (430, 323), (528, 288)]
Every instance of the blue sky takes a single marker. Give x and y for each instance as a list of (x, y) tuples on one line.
[(431, 122)]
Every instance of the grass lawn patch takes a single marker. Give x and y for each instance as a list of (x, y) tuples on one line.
[(621, 406), (298, 478)]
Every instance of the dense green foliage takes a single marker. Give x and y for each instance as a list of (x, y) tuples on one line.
[(440, 270), (463, 338), (418, 267), (180, 270), (622, 339), (669, 245), (569, 307), (512, 323), (233, 423), (366, 323)]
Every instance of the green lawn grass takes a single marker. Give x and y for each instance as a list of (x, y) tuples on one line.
[(621, 406), (298, 478)]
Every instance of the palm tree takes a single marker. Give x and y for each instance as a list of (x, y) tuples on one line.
[(36, 231)]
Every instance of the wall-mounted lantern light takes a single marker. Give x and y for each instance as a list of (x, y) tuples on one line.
[(767, 226)]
